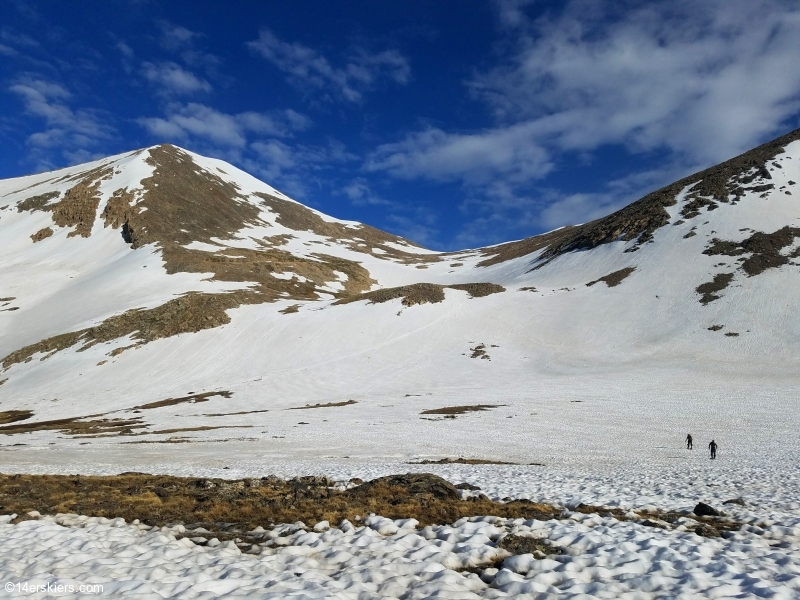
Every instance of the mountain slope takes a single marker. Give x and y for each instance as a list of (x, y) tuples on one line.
[(137, 286)]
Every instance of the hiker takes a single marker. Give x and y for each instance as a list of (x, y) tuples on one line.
[(713, 447), (689, 441)]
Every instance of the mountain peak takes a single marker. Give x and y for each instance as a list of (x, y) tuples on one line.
[(160, 246)]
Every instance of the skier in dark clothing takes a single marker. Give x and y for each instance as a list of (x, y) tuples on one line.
[(689, 441), (713, 447)]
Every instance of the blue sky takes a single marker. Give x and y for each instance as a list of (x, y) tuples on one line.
[(456, 123)]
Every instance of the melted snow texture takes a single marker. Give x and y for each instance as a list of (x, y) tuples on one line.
[(605, 558)]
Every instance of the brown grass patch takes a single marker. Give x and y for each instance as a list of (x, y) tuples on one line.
[(423, 293), (460, 410), (361, 238), (37, 203), (13, 416), (326, 405), (42, 234), (241, 412), (764, 249), (708, 291), (186, 429), (78, 207), (461, 461), (159, 500), (230, 508), (615, 278), (77, 426), (191, 398)]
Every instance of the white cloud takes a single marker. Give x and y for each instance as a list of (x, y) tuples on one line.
[(694, 82), (176, 37), (173, 79), (511, 12), (293, 167), (201, 121), (182, 41), (124, 49), (706, 80), (418, 229), (67, 129), (361, 194), (475, 158), (309, 69)]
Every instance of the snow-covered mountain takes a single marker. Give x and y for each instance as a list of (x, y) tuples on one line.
[(135, 288)]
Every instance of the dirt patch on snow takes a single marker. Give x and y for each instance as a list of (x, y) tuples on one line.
[(479, 351), (615, 278), (230, 414), (461, 410), (518, 544), (423, 293), (13, 416), (78, 207), (359, 238), (326, 405), (461, 461), (90, 425), (227, 509), (37, 203), (708, 291), (478, 290), (190, 313), (118, 210), (764, 249), (191, 399), (511, 250), (42, 234)]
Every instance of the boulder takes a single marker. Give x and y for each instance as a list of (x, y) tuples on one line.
[(738, 501), (704, 510), (410, 484), (467, 486)]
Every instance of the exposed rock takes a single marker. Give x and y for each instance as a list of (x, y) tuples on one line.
[(423, 293), (704, 510), (410, 484), (764, 249), (708, 290), (638, 221), (42, 234), (738, 501), (615, 278), (518, 544), (78, 207), (467, 486), (37, 203)]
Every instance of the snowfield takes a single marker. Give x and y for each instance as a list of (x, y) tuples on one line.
[(587, 384), (379, 558)]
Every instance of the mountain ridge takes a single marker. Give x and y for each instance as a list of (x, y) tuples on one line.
[(135, 295)]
